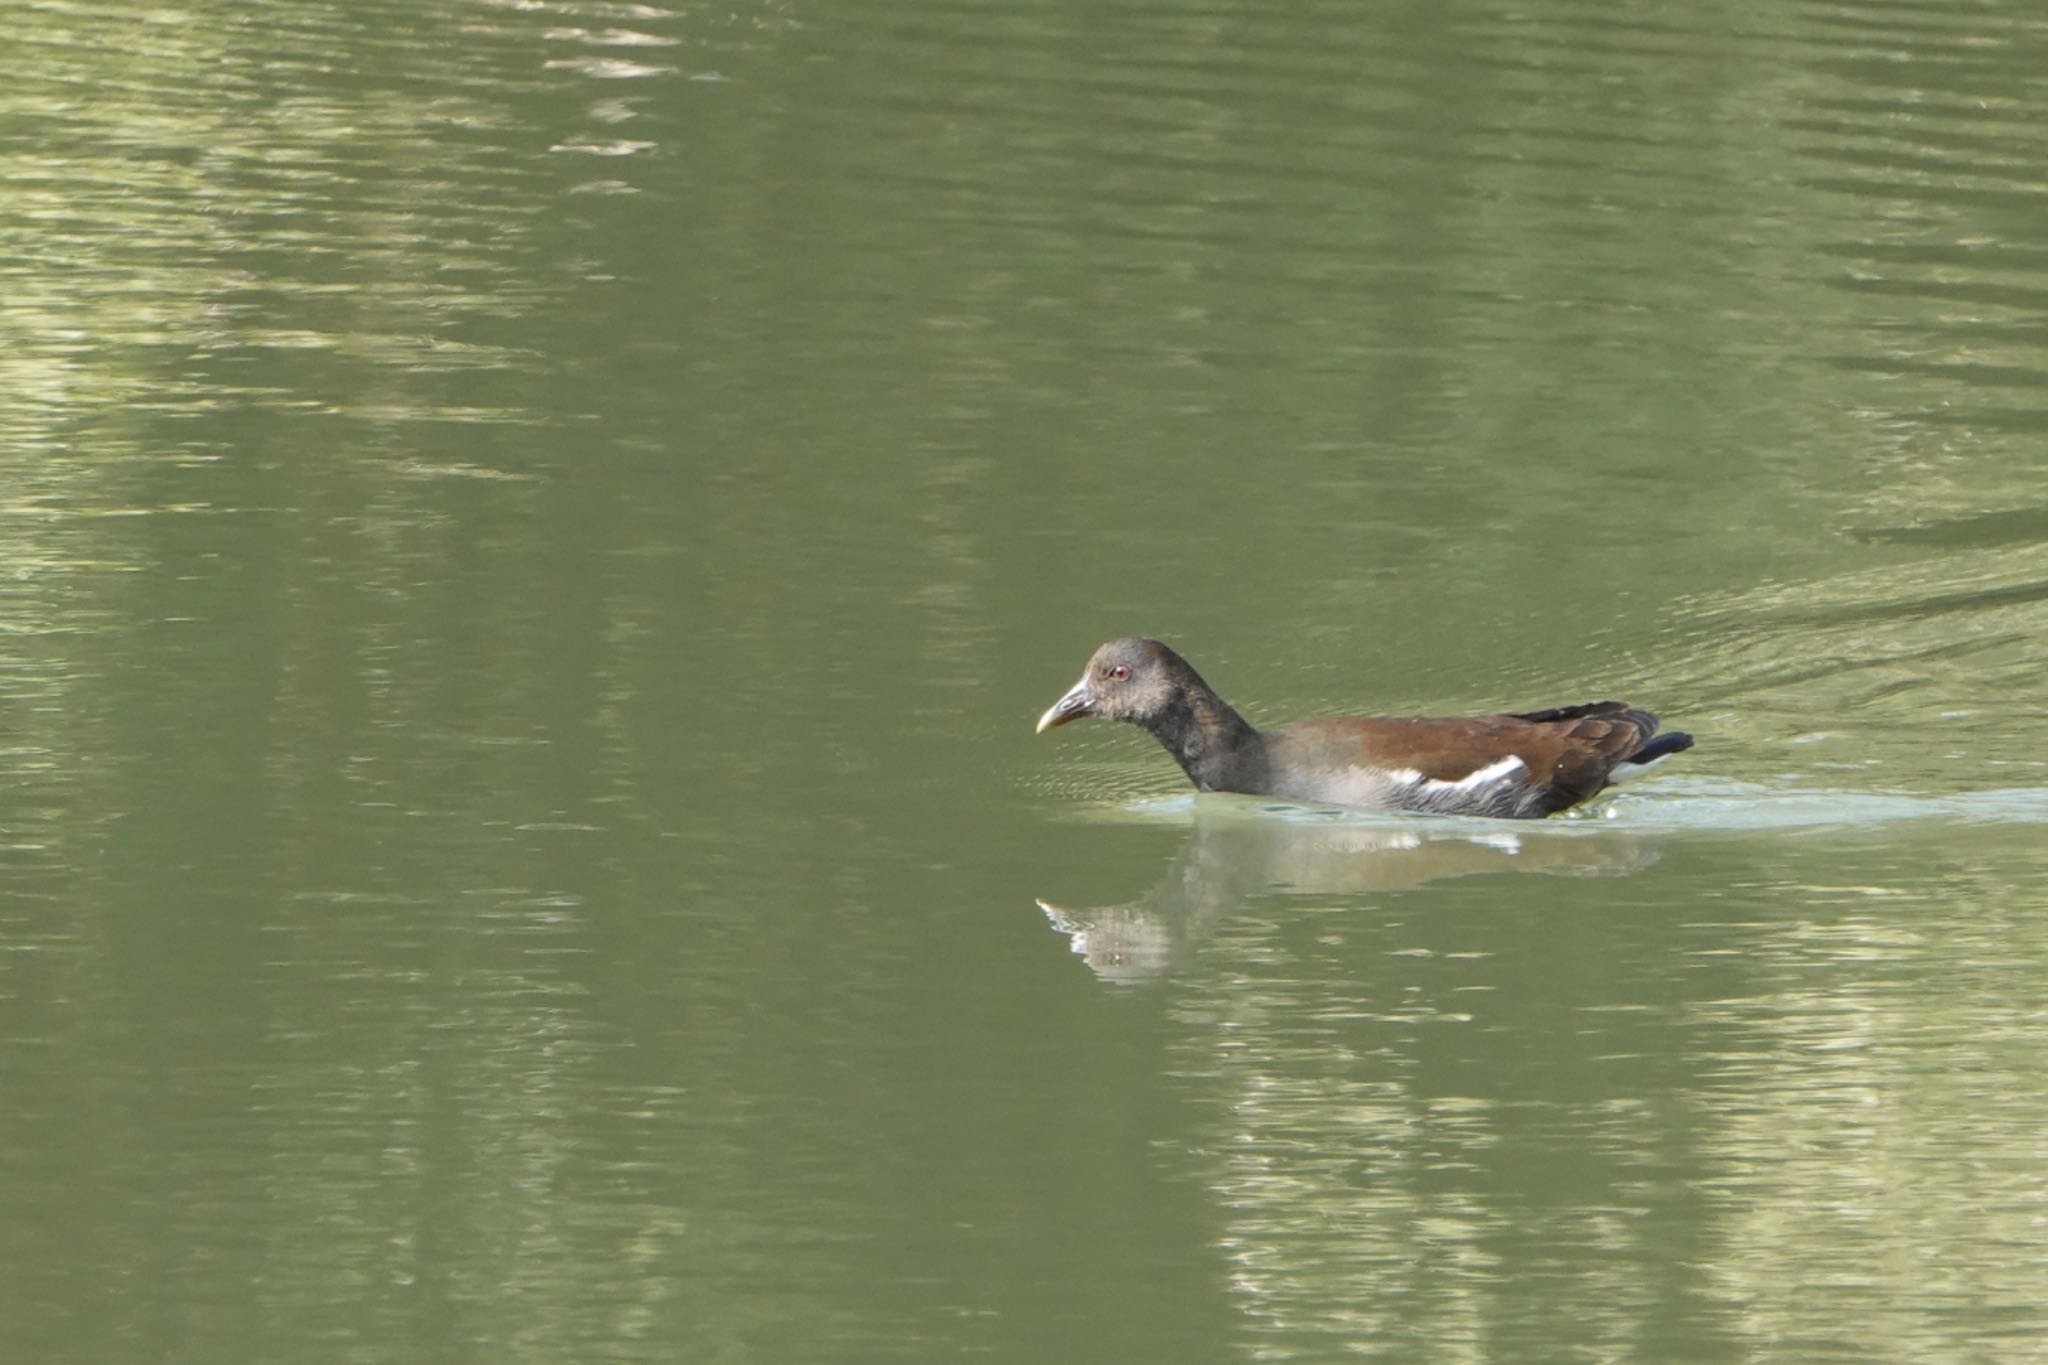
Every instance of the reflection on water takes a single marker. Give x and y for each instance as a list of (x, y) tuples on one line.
[(1419, 1108), (1235, 851)]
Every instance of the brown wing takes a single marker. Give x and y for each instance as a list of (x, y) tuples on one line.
[(1586, 743), (1568, 750)]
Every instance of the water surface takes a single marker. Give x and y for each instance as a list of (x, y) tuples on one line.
[(536, 534)]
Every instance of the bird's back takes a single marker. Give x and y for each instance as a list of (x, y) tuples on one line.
[(1510, 764)]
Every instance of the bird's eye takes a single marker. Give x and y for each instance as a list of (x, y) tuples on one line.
[(1119, 672)]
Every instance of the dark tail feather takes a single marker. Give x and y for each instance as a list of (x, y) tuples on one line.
[(1677, 742)]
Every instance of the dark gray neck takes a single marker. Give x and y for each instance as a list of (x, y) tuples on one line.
[(1216, 747)]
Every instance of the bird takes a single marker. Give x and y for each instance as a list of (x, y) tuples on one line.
[(1512, 765)]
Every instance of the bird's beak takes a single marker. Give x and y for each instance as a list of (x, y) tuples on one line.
[(1076, 704)]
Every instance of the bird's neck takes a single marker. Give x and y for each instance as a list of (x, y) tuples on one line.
[(1217, 748)]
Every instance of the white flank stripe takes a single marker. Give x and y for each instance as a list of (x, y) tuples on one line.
[(1492, 772), (1433, 788)]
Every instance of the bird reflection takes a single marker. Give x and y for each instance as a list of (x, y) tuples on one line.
[(1237, 853)]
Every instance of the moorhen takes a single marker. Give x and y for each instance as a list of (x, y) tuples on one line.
[(1521, 766)]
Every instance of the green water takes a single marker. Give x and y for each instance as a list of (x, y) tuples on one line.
[(535, 536)]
